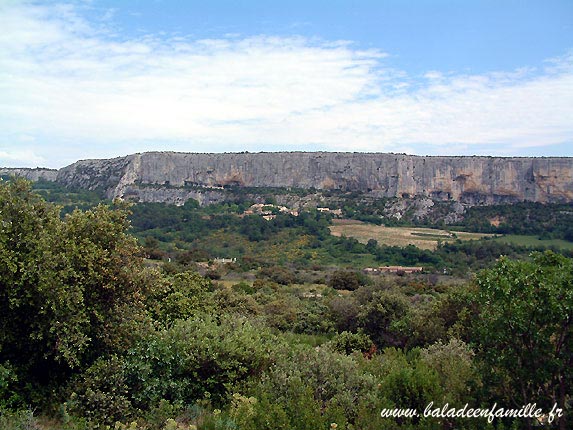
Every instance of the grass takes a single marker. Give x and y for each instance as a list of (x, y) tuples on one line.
[(313, 340), (534, 241), (423, 238)]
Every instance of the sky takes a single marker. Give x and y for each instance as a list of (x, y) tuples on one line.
[(101, 78)]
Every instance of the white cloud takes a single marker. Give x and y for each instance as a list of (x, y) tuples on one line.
[(64, 80), (20, 158)]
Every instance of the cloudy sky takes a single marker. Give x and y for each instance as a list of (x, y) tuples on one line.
[(103, 78)]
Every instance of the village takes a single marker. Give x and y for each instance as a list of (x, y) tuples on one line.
[(269, 211)]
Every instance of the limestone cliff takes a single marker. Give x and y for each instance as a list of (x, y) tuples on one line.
[(174, 177), (31, 174)]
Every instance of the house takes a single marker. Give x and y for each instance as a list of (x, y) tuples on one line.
[(337, 212), (401, 269), (224, 260)]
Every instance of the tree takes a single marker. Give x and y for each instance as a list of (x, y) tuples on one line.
[(524, 332), (346, 280), (70, 290), (383, 319), (179, 296)]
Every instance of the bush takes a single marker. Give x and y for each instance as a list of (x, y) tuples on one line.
[(347, 342), (453, 362), (18, 420), (347, 280), (9, 396), (280, 275), (102, 395), (407, 382), (313, 387), (179, 296), (71, 289), (196, 358), (384, 317), (313, 318)]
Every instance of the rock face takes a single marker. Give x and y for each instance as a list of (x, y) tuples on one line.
[(31, 174), (174, 177)]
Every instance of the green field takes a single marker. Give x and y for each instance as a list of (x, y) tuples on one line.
[(534, 241)]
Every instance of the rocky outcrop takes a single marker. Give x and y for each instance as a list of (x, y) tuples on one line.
[(170, 195), (31, 174), (111, 175), (174, 177)]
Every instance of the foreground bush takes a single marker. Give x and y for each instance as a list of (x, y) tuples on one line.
[(71, 289), (201, 358)]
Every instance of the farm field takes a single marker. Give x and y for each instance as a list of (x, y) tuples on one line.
[(423, 238), (533, 241)]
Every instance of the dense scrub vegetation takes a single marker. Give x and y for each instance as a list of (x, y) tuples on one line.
[(94, 337)]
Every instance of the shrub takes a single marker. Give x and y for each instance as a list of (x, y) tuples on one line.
[(278, 274), (71, 289), (383, 318), (101, 395), (453, 362), (179, 296), (347, 342), (197, 357), (346, 280), (18, 420), (313, 387)]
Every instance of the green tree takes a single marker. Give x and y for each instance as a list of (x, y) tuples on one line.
[(347, 280), (384, 317), (70, 289), (524, 332), (179, 296)]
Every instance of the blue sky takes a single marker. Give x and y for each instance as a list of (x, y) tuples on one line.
[(101, 78), (477, 36)]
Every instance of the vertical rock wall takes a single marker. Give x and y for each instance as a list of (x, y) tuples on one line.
[(473, 180)]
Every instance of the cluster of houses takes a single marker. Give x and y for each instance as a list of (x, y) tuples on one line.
[(337, 212), (392, 269), (216, 262), (268, 211)]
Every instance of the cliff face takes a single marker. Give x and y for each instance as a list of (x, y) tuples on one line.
[(31, 174), (174, 177)]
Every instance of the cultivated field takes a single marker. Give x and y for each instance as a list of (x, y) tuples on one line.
[(534, 241), (423, 238)]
